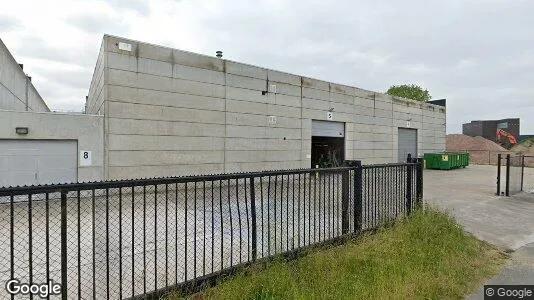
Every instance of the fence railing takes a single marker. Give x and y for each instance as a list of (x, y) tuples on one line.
[(139, 238), (490, 157), (514, 176), (484, 157)]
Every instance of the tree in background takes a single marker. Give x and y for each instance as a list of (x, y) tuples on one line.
[(409, 91)]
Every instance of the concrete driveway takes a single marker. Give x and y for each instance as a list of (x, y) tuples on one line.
[(507, 222), (518, 270), (469, 195)]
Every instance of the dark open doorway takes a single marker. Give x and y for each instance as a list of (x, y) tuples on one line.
[(327, 151)]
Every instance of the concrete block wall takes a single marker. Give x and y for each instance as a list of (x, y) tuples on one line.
[(429, 120), (164, 113), (85, 129), (95, 101), (170, 112), (16, 89), (252, 142)]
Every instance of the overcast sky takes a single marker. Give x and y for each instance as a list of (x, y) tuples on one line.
[(477, 54)]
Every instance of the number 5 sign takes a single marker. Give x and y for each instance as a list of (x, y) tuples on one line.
[(85, 158), (330, 116)]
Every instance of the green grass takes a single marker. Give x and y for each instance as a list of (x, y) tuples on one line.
[(425, 256)]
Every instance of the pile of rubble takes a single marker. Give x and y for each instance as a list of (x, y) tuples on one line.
[(525, 148), (481, 150)]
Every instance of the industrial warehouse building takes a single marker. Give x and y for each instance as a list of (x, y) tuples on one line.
[(154, 111)]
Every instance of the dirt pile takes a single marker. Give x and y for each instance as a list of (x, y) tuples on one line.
[(526, 147), (461, 142), (481, 150)]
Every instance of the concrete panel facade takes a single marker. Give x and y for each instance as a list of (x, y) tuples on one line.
[(16, 89), (169, 112), (86, 130), (95, 99)]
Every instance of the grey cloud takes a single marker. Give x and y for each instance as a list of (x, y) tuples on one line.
[(140, 6), (62, 88), (60, 97), (74, 79), (466, 52), (58, 94), (36, 47), (477, 54), (97, 24)]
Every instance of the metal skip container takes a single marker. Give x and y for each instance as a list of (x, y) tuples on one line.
[(446, 160)]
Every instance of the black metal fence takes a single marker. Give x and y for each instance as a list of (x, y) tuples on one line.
[(514, 175), (139, 238)]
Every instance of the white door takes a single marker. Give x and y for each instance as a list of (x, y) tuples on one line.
[(407, 143), (328, 128), (30, 162)]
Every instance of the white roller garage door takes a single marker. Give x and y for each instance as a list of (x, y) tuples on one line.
[(407, 143), (30, 162), (328, 128)]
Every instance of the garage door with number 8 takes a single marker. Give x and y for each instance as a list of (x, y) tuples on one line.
[(30, 162)]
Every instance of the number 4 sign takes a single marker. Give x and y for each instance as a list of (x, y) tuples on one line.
[(85, 158)]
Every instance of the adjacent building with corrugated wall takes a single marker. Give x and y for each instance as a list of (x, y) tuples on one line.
[(169, 112)]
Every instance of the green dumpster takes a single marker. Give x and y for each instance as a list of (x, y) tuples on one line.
[(446, 160)]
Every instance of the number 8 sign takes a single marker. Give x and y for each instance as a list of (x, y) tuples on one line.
[(85, 158)]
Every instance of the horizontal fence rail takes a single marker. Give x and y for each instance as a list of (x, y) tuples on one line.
[(140, 238), (491, 157)]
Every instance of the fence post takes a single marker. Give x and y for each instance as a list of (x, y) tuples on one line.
[(507, 191), (345, 195), (522, 171), (409, 184), (358, 196), (419, 182), (63, 245), (499, 160), (253, 216)]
